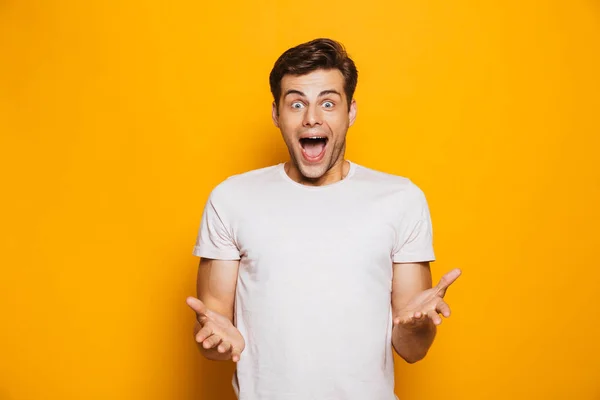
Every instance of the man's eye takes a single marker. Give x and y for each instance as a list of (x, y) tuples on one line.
[(297, 104), (328, 104)]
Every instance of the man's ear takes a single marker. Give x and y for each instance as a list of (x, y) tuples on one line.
[(352, 112), (275, 115)]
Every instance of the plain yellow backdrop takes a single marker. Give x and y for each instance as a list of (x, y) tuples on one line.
[(117, 118)]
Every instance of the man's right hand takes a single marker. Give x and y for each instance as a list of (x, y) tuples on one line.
[(216, 330)]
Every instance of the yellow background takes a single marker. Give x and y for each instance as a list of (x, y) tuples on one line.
[(118, 117)]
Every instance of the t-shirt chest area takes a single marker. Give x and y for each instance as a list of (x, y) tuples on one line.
[(316, 229)]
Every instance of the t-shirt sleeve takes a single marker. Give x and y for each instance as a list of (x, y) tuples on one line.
[(215, 239), (414, 239)]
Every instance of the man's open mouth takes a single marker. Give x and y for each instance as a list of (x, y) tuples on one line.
[(313, 147)]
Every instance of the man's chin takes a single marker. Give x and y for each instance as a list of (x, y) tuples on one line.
[(313, 171)]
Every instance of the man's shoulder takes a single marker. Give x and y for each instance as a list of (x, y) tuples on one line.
[(396, 189), (244, 181), (385, 180)]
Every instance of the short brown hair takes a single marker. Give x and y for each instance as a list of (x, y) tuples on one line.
[(310, 56)]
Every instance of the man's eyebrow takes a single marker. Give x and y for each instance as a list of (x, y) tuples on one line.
[(323, 93), (330, 91), (294, 91)]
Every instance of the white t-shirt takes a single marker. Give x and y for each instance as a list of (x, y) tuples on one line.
[(313, 296)]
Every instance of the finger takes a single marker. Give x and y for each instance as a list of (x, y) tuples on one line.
[(415, 317), (235, 354), (433, 315), (418, 315), (211, 341), (447, 280), (224, 347), (197, 305), (443, 308), (203, 333)]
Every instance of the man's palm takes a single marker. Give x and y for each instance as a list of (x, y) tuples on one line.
[(217, 330), (428, 303)]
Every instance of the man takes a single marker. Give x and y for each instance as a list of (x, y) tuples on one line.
[(313, 269)]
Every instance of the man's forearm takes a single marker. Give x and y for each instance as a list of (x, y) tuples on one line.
[(411, 345)]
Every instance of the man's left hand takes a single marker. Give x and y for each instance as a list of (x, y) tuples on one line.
[(425, 307)]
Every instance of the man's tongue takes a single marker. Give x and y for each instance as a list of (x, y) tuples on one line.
[(314, 147)]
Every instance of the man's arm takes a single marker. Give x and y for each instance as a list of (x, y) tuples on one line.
[(216, 283), (416, 307), (216, 286), (409, 280)]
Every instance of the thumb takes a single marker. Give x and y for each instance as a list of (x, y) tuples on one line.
[(197, 305), (447, 280)]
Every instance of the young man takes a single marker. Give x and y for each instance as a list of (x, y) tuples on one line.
[(312, 270)]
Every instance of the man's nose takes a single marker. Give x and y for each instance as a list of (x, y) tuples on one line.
[(312, 116)]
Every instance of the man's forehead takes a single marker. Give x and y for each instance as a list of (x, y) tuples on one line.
[(319, 80)]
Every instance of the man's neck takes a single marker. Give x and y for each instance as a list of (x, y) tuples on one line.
[(335, 174)]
